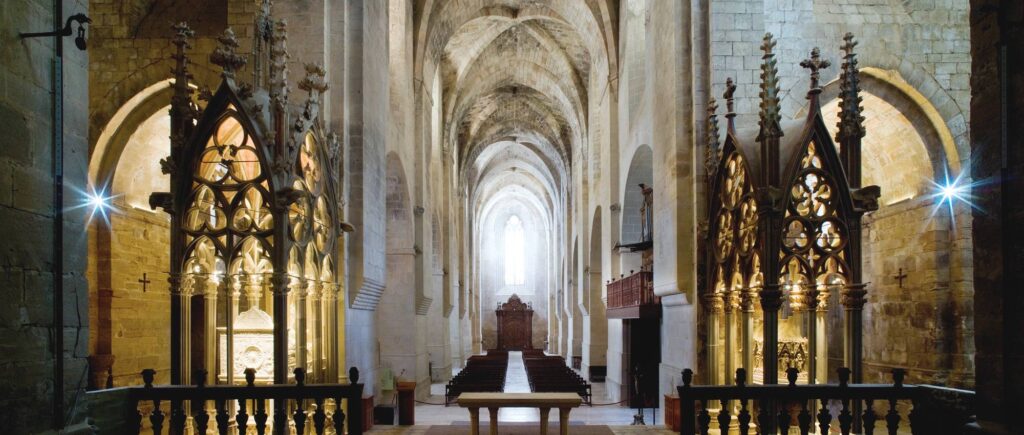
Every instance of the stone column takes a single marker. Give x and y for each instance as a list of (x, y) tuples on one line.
[(279, 285), (181, 312), (229, 351), (303, 288), (317, 312), (747, 301), (730, 307), (716, 307), (209, 290)]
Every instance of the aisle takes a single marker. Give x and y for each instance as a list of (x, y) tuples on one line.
[(515, 376), (517, 382), (617, 417)]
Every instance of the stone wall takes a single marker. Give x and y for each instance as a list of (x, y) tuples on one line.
[(27, 214), (140, 318), (997, 77), (924, 321)]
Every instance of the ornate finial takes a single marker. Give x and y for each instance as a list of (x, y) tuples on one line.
[(815, 64), (741, 377), (730, 90), (844, 376), (770, 117), (182, 34), (200, 377), (687, 377), (300, 376), (792, 374), (353, 375), (226, 55), (278, 61), (250, 376), (851, 123), (711, 152), (315, 85), (147, 377), (897, 377), (314, 81)]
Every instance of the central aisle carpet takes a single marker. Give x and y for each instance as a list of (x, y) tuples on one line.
[(519, 429)]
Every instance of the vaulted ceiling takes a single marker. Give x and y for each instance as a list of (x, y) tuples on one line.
[(516, 78)]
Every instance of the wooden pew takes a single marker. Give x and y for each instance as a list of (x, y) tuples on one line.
[(550, 374), (483, 373)]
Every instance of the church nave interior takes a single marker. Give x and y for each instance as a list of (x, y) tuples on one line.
[(317, 216)]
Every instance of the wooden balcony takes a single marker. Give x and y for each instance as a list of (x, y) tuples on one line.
[(632, 297)]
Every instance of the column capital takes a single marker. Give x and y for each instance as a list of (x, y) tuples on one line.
[(771, 297), (732, 300), (853, 296), (748, 298), (715, 302), (187, 286), (280, 281)]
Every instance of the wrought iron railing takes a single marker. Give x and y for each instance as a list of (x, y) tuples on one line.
[(230, 409), (852, 408), (634, 290)]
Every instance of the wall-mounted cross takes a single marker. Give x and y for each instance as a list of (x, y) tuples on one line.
[(145, 281), (900, 276)]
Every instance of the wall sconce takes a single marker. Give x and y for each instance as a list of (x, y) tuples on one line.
[(80, 42)]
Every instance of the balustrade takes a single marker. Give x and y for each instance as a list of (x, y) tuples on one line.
[(771, 409), (322, 408)]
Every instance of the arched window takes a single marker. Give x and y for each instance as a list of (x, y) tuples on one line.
[(515, 262)]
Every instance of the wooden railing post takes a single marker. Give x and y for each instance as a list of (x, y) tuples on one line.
[(299, 416), (936, 410), (687, 420), (355, 404), (202, 418)]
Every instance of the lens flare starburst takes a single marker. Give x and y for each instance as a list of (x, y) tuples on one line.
[(99, 203), (950, 192)]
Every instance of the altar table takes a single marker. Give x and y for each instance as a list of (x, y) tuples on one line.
[(545, 401)]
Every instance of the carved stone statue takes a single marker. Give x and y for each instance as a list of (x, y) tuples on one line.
[(647, 213)]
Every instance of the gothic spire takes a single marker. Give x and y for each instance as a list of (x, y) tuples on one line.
[(769, 123), (278, 64), (851, 123), (226, 54), (711, 153), (263, 28), (182, 111)]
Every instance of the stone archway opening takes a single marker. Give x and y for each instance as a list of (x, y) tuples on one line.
[(128, 247), (916, 249)]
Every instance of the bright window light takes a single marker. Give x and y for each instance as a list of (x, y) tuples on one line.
[(515, 253)]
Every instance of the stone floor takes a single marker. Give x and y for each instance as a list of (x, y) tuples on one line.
[(616, 417)]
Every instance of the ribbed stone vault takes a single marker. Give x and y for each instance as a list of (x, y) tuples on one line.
[(516, 79)]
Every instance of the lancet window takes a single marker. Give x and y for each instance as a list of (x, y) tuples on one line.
[(515, 252)]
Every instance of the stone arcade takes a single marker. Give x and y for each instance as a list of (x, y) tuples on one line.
[(224, 215)]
